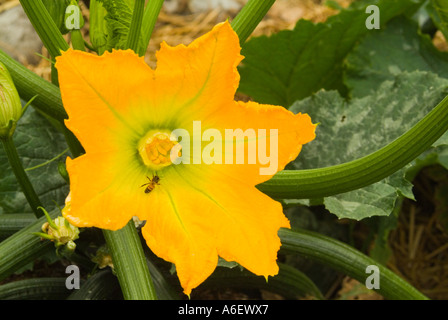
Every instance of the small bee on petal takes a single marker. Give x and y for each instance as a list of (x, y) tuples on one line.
[(151, 184)]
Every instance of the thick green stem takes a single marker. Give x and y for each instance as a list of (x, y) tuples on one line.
[(136, 25), (124, 244), (23, 247), (129, 263), (77, 40), (45, 27), (348, 260), (152, 11), (12, 223), (289, 282), (35, 289), (324, 182), (249, 17), (48, 98), (21, 176), (100, 286), (29, 84)]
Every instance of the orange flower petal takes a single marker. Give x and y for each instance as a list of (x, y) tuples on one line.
[(195, 219), (176, 235), (278, 136), (104, 192), (96, 92), (205, 72)]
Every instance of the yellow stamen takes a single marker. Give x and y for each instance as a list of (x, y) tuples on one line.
[(155, 149)]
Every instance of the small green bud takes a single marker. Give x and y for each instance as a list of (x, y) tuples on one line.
[(98, 26), (71, 245), (73, 16), (60, 231), (10, 105), (103, 258)]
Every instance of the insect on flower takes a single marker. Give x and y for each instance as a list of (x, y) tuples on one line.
[(151, 184)]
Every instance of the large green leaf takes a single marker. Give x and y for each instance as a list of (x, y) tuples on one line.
[(37, 142), (381, 227), (350, 130), (293, 64), (395, 49), (398, 48)]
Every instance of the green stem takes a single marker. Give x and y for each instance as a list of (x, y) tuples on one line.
[(21, 176), (289, 282), (164, 289), (12, 223), (348, 260), (77, 40), (29, 84), (98, 26), (47, 98), (54, 75), (102, 285), (35, 289), (324, 182), (125, 245), (249, 17), (152, 11), (48, 161), (23, 247), (136, 25), (130, 263), (45, 27)]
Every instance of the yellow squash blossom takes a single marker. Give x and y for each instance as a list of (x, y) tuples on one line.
[(202, 202)]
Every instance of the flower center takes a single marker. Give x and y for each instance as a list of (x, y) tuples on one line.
[(155, 148)]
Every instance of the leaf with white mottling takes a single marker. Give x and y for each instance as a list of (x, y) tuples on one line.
[(351, 130)]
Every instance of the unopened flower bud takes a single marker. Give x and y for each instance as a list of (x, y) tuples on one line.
[(10, 106), (73, 16), (71, 245), (103, 258), (60, 231)]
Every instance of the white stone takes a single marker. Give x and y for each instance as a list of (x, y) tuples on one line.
[(18, 37), (226, 5)]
